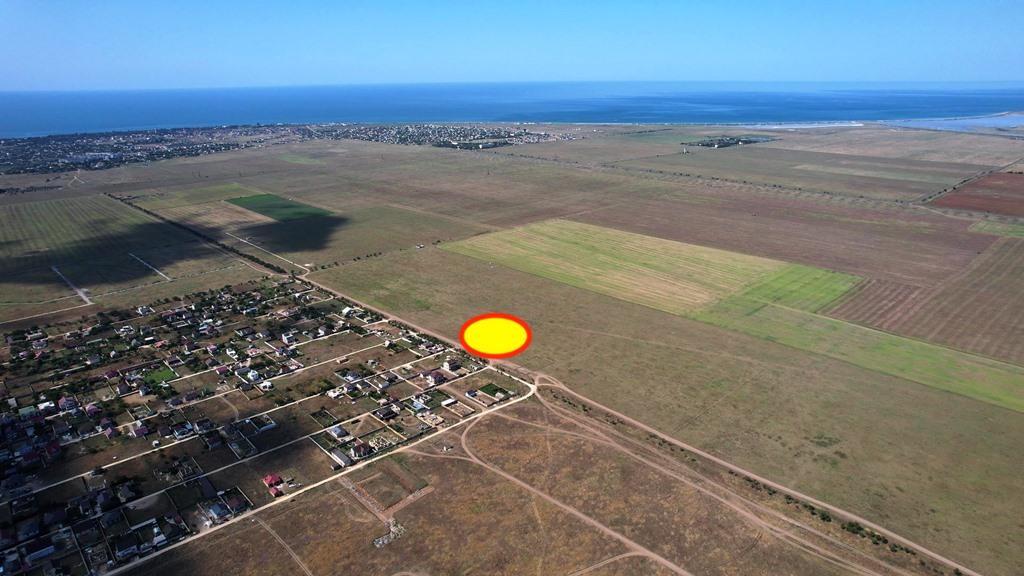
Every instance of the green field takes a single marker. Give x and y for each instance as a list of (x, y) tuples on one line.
[(662, 274), (161, 374), (278, 208), (943, 368), (1011, 230), (802, 287), (777, 304)]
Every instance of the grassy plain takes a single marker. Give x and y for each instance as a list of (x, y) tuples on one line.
[(758, 403), (663, 274), (802, 287), (190, 196), (703, 282), (300, 159), (932, 465), (972, 376)]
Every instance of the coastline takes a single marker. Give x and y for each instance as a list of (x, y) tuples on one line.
[(37, 114)]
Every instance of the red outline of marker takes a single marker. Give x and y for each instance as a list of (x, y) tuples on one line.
[(479, 354)]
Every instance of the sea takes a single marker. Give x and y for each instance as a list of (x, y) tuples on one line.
[(24, 114)]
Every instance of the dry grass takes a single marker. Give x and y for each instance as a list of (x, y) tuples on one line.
[(858, 176), (926, 145), (753, 402)]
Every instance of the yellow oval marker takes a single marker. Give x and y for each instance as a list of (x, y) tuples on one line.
[(495, 335)]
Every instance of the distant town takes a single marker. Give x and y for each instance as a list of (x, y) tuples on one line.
[(98, 151)]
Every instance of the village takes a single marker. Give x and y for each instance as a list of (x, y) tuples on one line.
[(130, 430)]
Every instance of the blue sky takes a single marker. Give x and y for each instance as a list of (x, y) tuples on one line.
[(112, 44)]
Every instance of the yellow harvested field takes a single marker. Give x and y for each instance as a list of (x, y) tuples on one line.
[(666, 275)]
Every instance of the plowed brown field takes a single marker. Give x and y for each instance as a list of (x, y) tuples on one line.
[(979, 310), (894, 246), (1002, 193)]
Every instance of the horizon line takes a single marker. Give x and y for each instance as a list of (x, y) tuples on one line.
[(516, 82)]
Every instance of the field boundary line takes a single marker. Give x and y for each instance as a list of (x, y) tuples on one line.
[(47, 313), (81, 293), (258, 247), (150, 266)]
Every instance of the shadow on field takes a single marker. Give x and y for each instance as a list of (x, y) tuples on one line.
[(106, 259), (299, 235)]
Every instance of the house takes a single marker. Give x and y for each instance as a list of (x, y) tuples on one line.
[(217, 512), (126, 492), (289, 338), (140, 431), (359, 450), (276, 492), (436, 377), (341, 458), (272, 480), (204, 425), (388, 412), (182, 430), (451, 365), (338, 432)]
